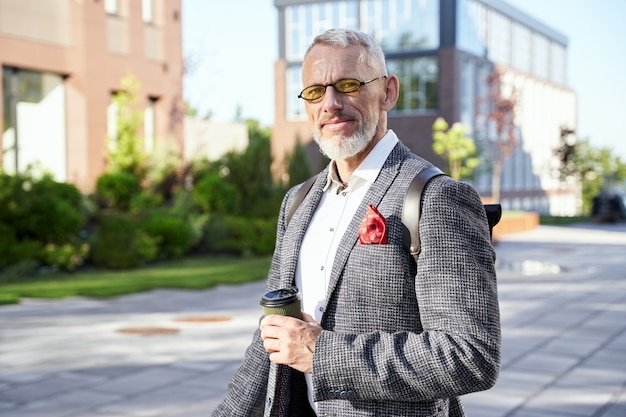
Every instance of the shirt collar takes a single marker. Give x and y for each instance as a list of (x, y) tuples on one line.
[(370, 167)]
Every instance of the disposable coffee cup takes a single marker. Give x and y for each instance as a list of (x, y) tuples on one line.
[(284, 302)]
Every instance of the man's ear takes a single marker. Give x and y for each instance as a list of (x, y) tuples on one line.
[(392, 90)]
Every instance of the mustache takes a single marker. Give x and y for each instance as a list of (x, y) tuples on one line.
[(333, 117)]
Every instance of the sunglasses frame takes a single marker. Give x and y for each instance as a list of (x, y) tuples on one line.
[(334, 85)]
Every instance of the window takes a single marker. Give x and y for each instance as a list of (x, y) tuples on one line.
[(149, 124), (112, 120), (520, 58), (295, 105), (147, 11), (418, 84), (557, 64), (304, 21), (112, 7), (34, 121), (540, 62), (400, 25), (472, 27), (468, 92), (499, 38)]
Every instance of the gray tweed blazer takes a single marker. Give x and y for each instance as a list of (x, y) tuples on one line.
[(399, 339)]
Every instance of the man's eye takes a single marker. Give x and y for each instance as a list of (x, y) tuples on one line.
[(348, 85), (315, 90)]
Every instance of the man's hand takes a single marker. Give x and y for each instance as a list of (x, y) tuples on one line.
[(290, 341)]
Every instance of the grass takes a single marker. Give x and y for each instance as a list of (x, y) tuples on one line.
[(188, 273), (556, 221)]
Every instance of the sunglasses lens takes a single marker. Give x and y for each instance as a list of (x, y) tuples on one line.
[(313, 92), (347, 86)]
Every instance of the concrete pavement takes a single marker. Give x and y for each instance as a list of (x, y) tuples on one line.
[(171, 353)]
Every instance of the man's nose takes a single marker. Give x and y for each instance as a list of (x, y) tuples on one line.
[(332, 99)]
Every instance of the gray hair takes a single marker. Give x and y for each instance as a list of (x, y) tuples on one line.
[(344, 38)]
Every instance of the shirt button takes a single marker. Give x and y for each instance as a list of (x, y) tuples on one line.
[(332, 230), (344, 194), (322, 268), (321, 309)]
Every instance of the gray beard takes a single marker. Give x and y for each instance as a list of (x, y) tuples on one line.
[(347, 146)]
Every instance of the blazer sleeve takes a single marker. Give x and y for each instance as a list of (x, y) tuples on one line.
[(457, 349)]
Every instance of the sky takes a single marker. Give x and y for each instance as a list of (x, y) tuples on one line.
[(230, 48)]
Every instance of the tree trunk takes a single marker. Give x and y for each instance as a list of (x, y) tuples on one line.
[(495, 182)]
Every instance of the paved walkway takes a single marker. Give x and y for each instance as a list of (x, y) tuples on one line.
[(563, 302)]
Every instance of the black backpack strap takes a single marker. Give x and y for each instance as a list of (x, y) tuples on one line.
[(299, 197), (494, 214), (412, 206)]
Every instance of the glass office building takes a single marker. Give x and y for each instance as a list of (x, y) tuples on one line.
[(443, 51)]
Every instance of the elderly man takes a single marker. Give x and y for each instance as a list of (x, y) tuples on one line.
[(380, 334)]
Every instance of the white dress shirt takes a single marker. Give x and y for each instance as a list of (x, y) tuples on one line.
[(330, 220)]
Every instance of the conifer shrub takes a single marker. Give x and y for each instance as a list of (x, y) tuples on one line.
[(118, 242)]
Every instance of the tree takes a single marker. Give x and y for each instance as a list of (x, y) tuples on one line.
[(125, 152), (299, 166), (458, 149), (495, 126), (249, 172), (598, 169)]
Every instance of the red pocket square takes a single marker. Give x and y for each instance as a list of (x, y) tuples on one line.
[(373, 229)]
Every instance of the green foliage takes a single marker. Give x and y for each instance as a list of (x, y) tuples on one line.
[(249, 172), (145, 201), (119, 242), (22, 270), (175, 235), (299, 167), (36, 212), (241, 235), (189, 273), (214, 195), (67, 256), (560, 221), (163, 173), (14, 250), (596, 168), (125, 152), (459, 150), (117, 189)]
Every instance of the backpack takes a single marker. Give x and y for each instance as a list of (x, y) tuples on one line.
[(412, 204)]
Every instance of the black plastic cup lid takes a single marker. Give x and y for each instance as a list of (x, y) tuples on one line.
[(280, 297)]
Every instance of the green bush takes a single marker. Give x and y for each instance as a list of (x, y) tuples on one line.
[(20, 271), (40, 209), (117, 189), (67, 256), (35, 212), (214, 195), (240, 236), (175, 235), (119, 242), (14, 250), (145, 201)]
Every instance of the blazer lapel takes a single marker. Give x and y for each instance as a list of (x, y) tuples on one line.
[(297, 228), (375, 194)]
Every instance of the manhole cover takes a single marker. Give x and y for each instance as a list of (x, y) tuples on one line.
[(148, 330), (203, 319)]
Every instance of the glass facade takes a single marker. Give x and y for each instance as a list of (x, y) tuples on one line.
[(400, 26), (418, 80), (304, 21), (487, 33)]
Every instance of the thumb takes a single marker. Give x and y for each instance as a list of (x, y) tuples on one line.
[(308, 318)]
